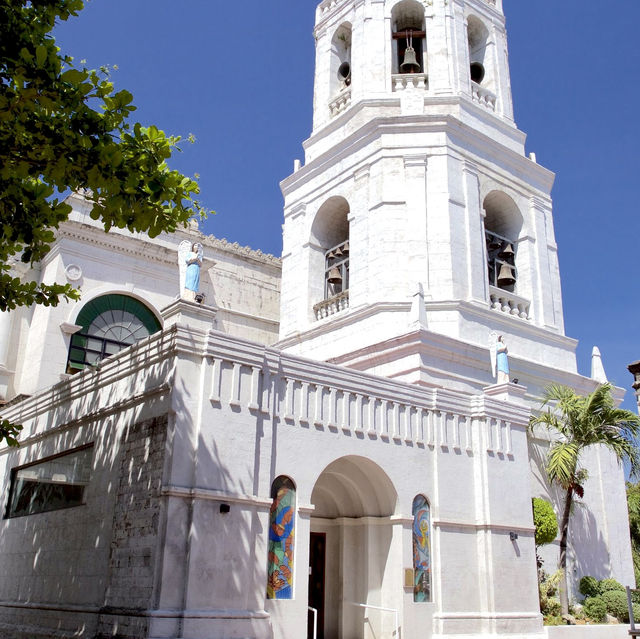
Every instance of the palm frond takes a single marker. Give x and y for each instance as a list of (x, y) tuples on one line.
[(562, 462)]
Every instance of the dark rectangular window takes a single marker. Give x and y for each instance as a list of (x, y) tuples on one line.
[(51, 484)]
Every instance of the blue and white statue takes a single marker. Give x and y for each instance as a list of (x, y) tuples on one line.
[(499, 359), (190, 260)]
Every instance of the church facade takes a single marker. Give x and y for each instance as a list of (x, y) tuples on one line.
[(320, 444)]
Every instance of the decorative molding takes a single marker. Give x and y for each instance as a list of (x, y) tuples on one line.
[(215, 495), (69, 329)]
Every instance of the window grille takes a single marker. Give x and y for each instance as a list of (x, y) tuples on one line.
[(51, 484)]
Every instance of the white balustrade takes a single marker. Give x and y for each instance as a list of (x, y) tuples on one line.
[(483, 96), (404, 81), (332, 306), (340, 102), (509, 303)]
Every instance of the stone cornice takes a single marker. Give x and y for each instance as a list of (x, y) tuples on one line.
[(162, 249), (541, 179)]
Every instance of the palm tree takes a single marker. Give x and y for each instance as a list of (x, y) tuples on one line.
[(579, 422)]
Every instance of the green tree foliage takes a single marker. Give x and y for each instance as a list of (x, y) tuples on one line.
[(64, 128), (545, 521), (633, 503), (9, 432), (577, 422)]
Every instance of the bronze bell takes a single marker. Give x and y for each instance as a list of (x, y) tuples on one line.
[(345, 248), (334, 276), (476, 71), (494, 243), (507, 252), (410, 63), (337, 252), (344, 73), (506, 276)]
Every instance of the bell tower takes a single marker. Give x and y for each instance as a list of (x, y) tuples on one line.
[(417, 226)]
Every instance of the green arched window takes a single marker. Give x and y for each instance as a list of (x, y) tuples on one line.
[(109, 324)]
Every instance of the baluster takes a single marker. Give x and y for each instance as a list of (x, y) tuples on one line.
[(214, 395)]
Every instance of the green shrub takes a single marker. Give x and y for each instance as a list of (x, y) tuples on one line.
[(552, 607), (595, 608), (609, 584), (545, 521), (616, 603), (589, 586), (554, 620), (636, 612)]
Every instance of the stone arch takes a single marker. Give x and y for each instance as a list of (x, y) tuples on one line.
[(108, 324), (354, 501), (331, 222), (502, 215), (340, 75), (354, 487), (109, 290)]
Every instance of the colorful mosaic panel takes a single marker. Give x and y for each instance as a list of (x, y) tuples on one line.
[(421, 550), (281, 536)]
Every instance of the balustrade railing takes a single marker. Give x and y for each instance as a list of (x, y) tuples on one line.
[(333, 305), (483, 96), (404, 81), (509, 303), (340, 102)]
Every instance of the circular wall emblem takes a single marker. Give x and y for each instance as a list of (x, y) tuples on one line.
[(73, 272)]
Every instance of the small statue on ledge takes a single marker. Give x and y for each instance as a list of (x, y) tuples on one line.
[(190, 260), (499, 359)]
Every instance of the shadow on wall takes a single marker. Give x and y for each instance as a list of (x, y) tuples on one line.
[(584, 534), (583, 528), (82, 556)]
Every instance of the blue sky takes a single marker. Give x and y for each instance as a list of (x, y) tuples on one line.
[(239, 76)]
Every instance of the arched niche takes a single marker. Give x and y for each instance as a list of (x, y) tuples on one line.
[(502, 215), (408, 29), (480, 66), (340, 72), (503, 225), (330, 248)]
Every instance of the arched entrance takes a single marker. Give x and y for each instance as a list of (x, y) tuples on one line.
[(355, 551)]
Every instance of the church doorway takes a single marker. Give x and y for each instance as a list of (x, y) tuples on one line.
[(355, 552)]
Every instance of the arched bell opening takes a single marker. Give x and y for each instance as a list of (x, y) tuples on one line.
[(480, 70), (409, 37), (502, 224), (341, 59), (352, 542), (330, 249)]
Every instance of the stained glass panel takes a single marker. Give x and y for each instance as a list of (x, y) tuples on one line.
[(421, 550), (281, 538)]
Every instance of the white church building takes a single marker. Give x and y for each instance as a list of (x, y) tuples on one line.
[(317, 446)]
